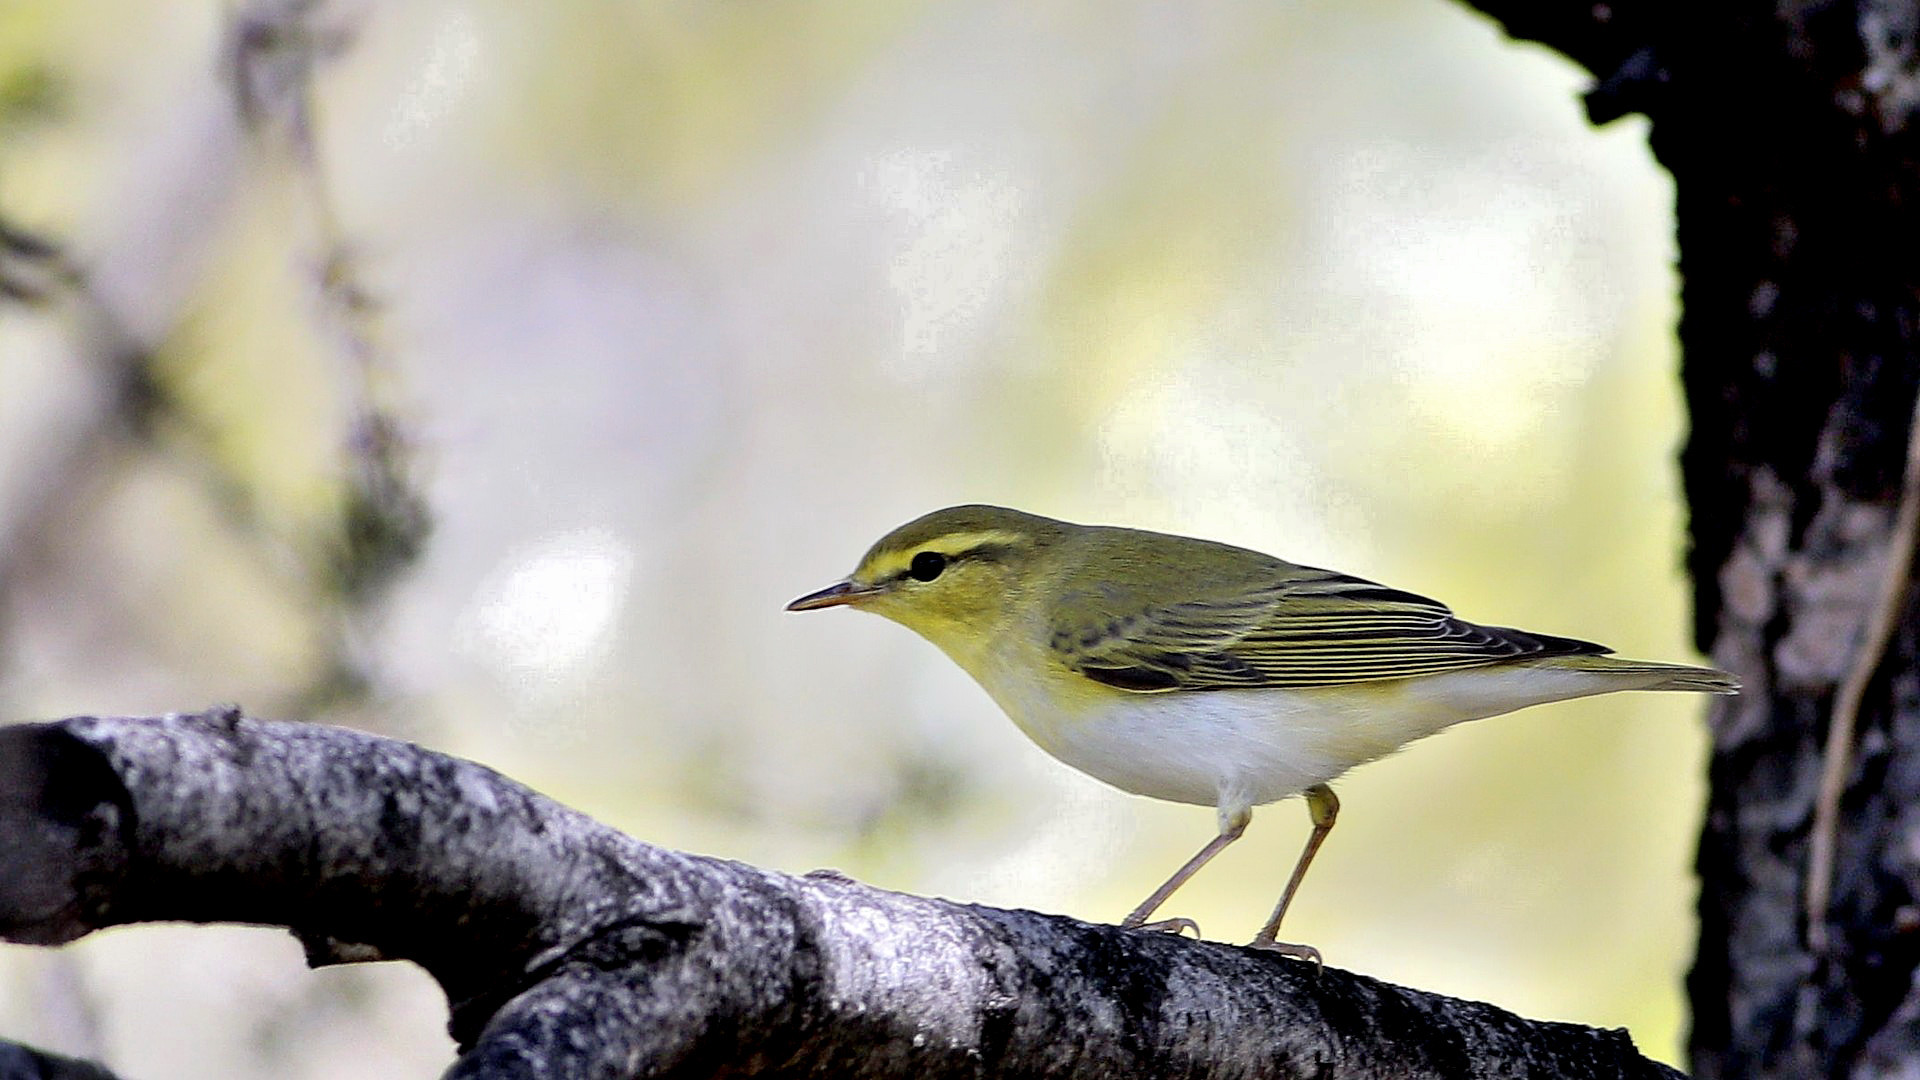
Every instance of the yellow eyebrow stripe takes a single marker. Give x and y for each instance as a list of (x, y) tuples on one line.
[(952, 545)]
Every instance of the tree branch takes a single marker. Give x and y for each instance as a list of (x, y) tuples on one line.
[(569, 949), (21, 1062)]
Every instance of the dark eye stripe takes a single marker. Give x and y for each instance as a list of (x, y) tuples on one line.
[(922, 566)]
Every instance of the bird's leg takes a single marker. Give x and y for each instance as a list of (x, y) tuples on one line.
[(1232, 824), (1323, 808)]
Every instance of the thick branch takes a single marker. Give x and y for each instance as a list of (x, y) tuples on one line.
[(569, 949)]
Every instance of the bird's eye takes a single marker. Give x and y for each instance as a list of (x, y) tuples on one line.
[(927, 565)]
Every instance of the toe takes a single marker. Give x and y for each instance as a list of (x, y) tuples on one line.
[(1297, 952), (1170, 926)]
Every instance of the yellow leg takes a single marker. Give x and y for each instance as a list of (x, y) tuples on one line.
[(1232, 824), (1323, 808)]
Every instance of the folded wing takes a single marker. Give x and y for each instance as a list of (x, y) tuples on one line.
[(1306, 628)]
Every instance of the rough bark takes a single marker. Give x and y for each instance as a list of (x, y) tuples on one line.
[(567, 949), (1790, 133)]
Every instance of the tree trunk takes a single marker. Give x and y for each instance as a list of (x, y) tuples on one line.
[(1789, 130)]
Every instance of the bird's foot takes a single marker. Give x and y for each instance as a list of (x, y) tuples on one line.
[(1297, 952), (1166, 926)]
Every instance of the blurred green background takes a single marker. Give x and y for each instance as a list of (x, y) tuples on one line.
[(680, 305)]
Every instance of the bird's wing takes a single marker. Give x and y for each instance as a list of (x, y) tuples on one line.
[(1304, 628)]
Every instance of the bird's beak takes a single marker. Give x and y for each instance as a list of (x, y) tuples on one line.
[(842, 592)]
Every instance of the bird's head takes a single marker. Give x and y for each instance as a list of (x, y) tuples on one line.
[(954, 576)]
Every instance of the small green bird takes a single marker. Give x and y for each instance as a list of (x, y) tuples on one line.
[(1203, 673)]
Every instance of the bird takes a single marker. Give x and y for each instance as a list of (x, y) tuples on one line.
[(1199, 672)]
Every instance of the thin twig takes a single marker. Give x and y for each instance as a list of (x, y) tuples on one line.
[(383, 518), (1837, 762), (92, 435)]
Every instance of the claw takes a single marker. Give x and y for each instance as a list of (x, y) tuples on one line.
[(1296, 952), (1170, 926)]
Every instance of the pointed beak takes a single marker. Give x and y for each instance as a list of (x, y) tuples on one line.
[(842, 592)]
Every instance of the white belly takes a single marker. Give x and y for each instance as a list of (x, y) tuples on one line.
[(1239, 748), (1229, 747)]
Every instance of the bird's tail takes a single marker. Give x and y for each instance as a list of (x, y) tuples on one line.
[(1651, 675)]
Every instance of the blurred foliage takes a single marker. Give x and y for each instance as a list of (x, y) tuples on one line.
[(500, 392), (658, 103), (28, 94), (32, 90)]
